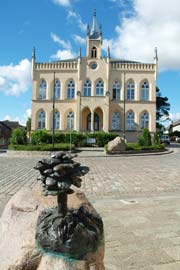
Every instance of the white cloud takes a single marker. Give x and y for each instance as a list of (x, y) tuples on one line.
[(79, 40), (174, 116), (61, 42), (75, 16), (63, 54), (153, 24), (64, 3), (15, 79)]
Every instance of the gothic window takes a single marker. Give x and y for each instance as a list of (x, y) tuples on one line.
[(93, 52), (42, 89), (130, 90), (70, 121), (57, 89), (145, 120), (56, 120), (116, 90), (145, 91), (87, 88), (41, 119), (116, 121), (71, 90), (99, 88), (130, 121)]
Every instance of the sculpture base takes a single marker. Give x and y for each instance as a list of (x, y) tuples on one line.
[(74, 235)]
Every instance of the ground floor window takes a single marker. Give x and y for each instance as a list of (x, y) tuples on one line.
[(41, 119), (115, 121), (70, 121)]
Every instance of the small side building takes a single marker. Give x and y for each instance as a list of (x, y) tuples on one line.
[(6, 128)]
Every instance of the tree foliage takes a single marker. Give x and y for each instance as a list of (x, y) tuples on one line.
[(162, 105)]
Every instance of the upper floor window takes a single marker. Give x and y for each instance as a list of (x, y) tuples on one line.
[(116, 121), (145, 120), (130, 90), (100, 88), (41, 119), (57, 89), (145, 91), (71, 90), (87, 89), (130, 125), (93, 52), (70, 121), (42, 89), (116, 90)]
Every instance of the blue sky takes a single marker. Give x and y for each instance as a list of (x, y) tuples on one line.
[(57, 28)]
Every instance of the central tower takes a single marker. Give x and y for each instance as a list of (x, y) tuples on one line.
[(94, 40)]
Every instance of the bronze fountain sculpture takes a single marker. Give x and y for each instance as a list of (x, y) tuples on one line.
[(71, 232)]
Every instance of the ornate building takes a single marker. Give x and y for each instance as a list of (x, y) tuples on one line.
[(94, 93)]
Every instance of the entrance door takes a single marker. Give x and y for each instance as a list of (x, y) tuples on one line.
[(96, 122), (88, 126)]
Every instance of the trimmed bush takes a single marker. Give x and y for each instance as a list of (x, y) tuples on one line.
[(42, 147), (156, 139), (145, 138), (136, 146), (40, 136), (18, 136)]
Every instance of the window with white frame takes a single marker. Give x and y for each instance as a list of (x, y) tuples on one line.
[(145, 91), (57, 89), (116, 90), (130, 90), (56, 120), (100, 88), (71, 90), (41, 119), (42, 89), (70, 121), (145, 120), (116, 121), (130, 125), (87, 88)]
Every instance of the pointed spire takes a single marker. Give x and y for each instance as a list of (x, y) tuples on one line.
[(79, 51), (156, 54), (94, 25), (88, 30), (108, 52), (33, 53)]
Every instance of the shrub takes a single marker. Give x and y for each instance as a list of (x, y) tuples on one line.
[(42, 147), (135, 146), (156, 139), (18, 136), (145, 138), (40, 136), (102, 138)]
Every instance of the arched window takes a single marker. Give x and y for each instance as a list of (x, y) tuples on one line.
[(70, 121), (145, 91), (70, 90), (145, 120), (87, 88), (41, 119), (42, 89), (130, 121), (99, 88), (130, 90), (116, 121), (116, 90), (93, 52), (57, 89), (56, 120)]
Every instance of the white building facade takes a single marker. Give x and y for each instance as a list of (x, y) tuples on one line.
[(94, 93)]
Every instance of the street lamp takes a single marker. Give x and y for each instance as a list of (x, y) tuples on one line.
[(124, 103), (53, 123)]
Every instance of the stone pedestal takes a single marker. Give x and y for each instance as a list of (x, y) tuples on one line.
[(18, 248)]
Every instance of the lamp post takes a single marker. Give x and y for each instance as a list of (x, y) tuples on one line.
[(124, 103), (53, 124)]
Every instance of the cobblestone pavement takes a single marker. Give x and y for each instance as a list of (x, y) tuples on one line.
[(138, 198)]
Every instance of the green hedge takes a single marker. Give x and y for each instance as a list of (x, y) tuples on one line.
[(42, 147), (136, 146)]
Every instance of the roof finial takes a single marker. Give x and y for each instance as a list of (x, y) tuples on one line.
[(156, 54), (34, 53), (108, 52), (94, 25)]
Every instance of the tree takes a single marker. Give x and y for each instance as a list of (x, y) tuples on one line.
[(162, 107), (28, 124)]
